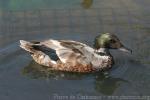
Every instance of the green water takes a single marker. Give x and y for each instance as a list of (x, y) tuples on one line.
[(39, 4)]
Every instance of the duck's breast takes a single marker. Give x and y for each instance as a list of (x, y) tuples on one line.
[(101, 62)]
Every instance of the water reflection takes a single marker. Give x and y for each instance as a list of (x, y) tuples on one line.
[(108, 85), (102, 83), (87, 4), (34, 70)]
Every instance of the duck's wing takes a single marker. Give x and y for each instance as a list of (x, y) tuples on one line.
[(69, 51)]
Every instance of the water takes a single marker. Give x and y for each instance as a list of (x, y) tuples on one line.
[(80, 20)]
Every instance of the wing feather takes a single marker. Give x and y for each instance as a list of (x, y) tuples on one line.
[(68, 49)]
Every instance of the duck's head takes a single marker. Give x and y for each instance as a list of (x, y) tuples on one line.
[(109, 41)]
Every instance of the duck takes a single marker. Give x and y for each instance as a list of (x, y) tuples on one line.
[(74, 56)]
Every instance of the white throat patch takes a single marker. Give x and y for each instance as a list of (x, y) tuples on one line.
[(103, 50)]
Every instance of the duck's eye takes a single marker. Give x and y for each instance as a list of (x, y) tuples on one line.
[(112, 41)]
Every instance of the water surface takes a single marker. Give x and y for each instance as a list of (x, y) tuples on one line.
[(80, 20)]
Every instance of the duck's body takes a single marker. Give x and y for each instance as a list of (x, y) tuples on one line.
[(72, 56)]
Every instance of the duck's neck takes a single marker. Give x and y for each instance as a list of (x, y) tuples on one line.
[(104, 51)]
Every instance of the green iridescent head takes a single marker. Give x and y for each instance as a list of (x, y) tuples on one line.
[(110, 41)]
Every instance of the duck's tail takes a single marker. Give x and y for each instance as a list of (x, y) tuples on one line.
[(38, 55), (28, 46)]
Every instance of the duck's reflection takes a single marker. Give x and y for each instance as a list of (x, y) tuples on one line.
[(107, 85), (103, 83), (35, 70)]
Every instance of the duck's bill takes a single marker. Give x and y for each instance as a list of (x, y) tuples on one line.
[(124, 49)]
